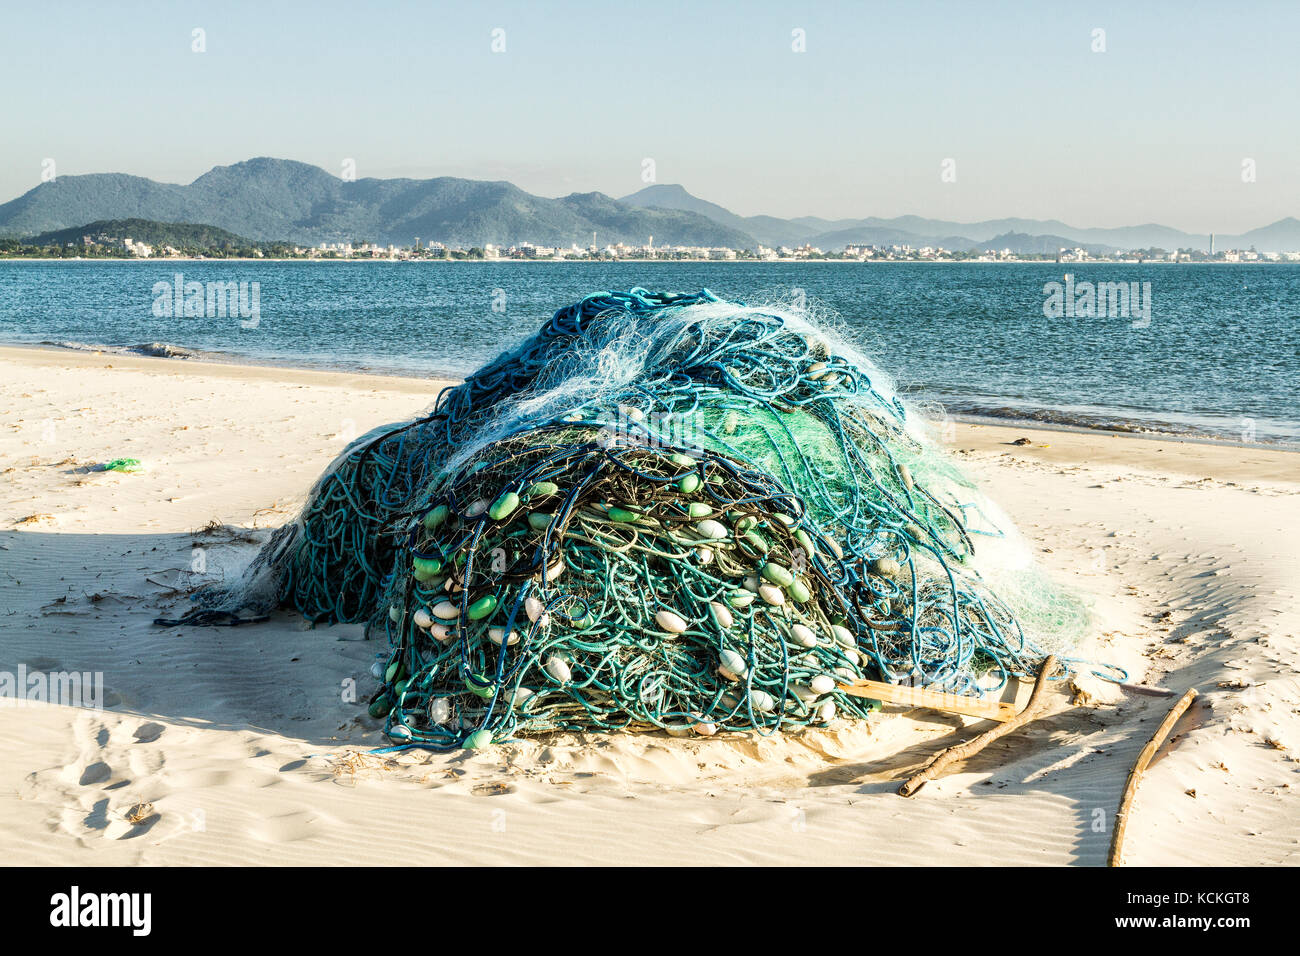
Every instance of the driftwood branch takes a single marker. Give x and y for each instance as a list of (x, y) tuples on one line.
[(1135, 775), (944, 758)]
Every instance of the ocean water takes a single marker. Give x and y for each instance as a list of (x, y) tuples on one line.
[(1218, 355)]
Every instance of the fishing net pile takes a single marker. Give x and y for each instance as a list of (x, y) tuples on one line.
[(660, 510)]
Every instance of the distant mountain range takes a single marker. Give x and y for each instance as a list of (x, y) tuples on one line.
[(270, 199), (1020, 235), (276, 199)]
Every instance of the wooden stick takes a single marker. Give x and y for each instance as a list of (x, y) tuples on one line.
[(972, 747), (931, 699), (1135, 775)]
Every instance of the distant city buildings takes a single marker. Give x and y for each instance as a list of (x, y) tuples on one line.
[(139, 250), (113, 246)]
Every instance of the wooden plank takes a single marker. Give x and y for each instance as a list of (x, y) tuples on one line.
[(999, 710)]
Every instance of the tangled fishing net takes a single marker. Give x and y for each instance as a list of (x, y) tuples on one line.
[(660, 510)]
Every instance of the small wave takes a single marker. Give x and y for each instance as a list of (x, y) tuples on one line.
[(162, 350), (149, 349), (1075, 420), (1072, 419)]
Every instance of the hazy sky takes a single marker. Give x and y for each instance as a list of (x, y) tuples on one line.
[(1155, 128)]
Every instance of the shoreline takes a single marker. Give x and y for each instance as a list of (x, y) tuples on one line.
[(205, 360)]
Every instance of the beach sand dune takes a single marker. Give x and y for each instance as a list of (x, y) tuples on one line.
[(251, 744)]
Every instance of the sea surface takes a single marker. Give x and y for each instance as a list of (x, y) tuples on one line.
[(1219, 356)]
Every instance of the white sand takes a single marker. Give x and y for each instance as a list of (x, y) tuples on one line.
[(242, 741)]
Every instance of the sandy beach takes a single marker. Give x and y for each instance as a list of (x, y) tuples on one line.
[(251, 744)]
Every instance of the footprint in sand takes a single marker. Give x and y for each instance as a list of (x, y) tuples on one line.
[(147, 733), (98, 798), (94, 773)]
